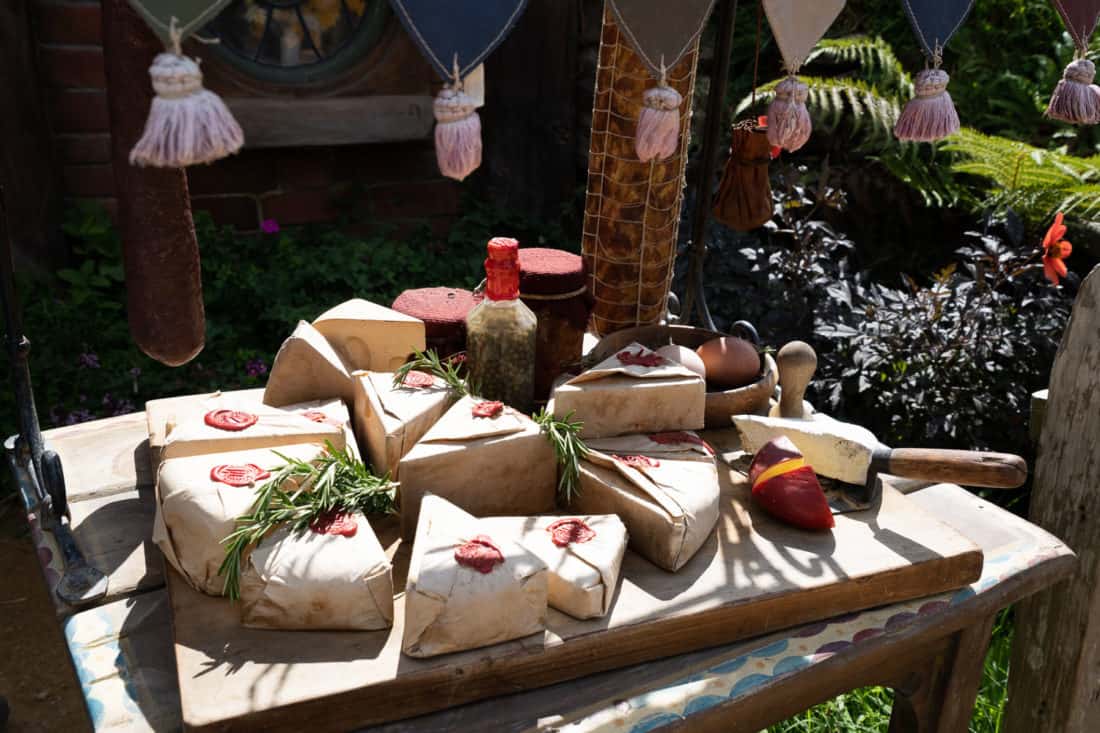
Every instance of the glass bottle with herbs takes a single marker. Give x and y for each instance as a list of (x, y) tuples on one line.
[(500, 333)]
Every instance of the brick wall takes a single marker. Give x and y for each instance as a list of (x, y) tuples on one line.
[(396, 182)]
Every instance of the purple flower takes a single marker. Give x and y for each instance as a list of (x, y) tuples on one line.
[(88, 360), (80, 415), (135, 372), (269, 226), (255, 367)]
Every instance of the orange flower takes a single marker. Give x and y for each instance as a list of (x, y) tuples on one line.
[(1055, 250)]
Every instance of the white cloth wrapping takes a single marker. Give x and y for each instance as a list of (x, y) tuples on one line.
[(450, 607), (275, 427), (616, 398), (194, 513), (335, 413), (583, 575), (389, 420), (669, 508), (318, 581), (498, 466)]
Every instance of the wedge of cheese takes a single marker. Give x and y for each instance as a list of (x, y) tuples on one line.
[(665, 489), (583, 553), (307, 368), (334, 575), (489, 466), (370, 336), (633, 391), (196, 509), (272, 427), (390, 419), (467, 587)]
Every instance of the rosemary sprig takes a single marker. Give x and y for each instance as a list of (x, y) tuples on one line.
[(297, 494), (429, 362), (565, 436)]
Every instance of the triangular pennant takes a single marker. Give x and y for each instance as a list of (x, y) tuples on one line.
[(798, 25), (935, 21), (661, 32), (1080, 17), (188, 15), (466, 30)]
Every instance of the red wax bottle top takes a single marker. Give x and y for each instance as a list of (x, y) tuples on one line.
[(502, 269)]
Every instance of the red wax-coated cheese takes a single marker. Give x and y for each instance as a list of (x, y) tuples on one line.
[(787, 488), (796, 498)]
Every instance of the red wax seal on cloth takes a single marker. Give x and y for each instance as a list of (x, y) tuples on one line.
[(487, 408), (479, 554), (681, 437), (335, 523), (232, 420), (320, 417), (502, 269), (566, 531), (628, 358), (238, 474), (638, 461), (418, 380)]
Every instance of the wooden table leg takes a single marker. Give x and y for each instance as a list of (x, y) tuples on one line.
[(938, 697)]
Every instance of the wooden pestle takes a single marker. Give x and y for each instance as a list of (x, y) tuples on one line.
[(797, 363)]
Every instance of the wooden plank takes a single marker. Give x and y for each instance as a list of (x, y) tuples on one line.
[(1056, 651), (103, 457), (278, 122), (752, 577), (115, 534), (531, 85)]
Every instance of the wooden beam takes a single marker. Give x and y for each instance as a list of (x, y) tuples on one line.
[(27, 170), (1055, 679)]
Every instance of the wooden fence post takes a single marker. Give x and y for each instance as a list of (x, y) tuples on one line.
[(1054, 684)]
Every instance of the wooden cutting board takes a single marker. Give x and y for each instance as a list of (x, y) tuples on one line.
[(753, 576)]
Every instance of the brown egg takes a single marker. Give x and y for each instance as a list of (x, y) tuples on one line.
[(685, 356), (730, 361)]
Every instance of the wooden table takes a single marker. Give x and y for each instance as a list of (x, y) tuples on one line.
[(929, 650)]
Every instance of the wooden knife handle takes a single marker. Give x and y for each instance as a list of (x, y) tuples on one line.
[(966, 467), (797, 363)]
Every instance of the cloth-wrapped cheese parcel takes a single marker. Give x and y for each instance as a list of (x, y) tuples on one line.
[(584, 554), (330, 412), (663, 486), (634, 391), (486, 457), (199, 499), (370, 336), (390, 419), (468, 587), (334, 575), (227, 423), (306, 368)]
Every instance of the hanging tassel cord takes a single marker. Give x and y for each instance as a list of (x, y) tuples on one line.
[(458, 129), (930, 115), (1076, 99)]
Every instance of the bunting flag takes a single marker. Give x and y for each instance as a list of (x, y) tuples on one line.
[(455, 37), (797, 26), (1076, 99), (187, 124), (661, 33), (931, 114)]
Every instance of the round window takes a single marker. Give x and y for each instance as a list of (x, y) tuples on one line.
[(297, 41)]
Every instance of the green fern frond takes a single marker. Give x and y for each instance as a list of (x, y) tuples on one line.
[(875, 58)]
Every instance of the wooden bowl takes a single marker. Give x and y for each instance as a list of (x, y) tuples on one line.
[(750, 399)]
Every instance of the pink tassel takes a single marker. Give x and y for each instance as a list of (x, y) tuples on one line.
[(658, 131), (789, 124), (1076, 99), (187, 124), (457, 134), (930, 115)]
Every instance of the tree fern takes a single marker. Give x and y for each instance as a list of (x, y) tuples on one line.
[(875, 58), (1034, 182)]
